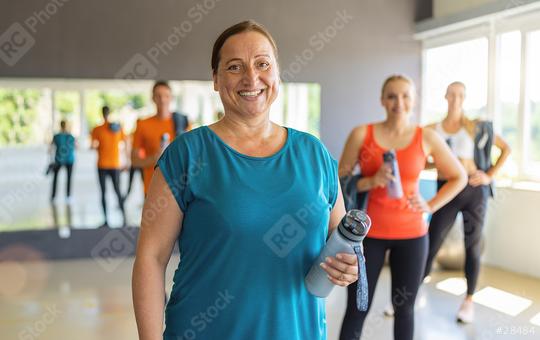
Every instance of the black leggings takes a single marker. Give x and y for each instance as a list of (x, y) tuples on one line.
[(114, 174), (132, 171), (407, 259), (472, 202), (56, 169)]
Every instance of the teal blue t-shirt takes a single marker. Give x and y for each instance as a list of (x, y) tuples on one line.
[(252, 228), (65, 148)]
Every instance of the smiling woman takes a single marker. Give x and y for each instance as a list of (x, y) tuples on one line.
[(236, 196), (246, 75)]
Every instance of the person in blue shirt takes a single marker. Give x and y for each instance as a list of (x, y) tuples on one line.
[(64, 156), (251, 205)]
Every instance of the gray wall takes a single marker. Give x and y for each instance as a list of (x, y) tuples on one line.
[(95, 39)]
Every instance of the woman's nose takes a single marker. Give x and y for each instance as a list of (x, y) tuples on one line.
[(250, 76)]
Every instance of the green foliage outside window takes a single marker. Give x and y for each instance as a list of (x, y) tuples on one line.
[(95, 100), (67, 105), (17, 113)]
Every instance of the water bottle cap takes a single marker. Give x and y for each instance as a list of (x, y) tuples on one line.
[(389, 156), (355, 225)]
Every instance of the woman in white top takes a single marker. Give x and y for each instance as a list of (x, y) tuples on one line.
[(471, 142)]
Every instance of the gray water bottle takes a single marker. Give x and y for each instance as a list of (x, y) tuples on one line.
[(393, 187), (346, 238)]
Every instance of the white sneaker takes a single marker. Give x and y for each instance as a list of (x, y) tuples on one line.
[(466, 312)]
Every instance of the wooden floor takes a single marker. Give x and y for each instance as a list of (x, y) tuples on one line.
[(83, 299)]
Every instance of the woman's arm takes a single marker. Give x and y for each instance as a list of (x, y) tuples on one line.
[(481, 178), (160, 227), (349, 158), (447, 165), (505, 152)]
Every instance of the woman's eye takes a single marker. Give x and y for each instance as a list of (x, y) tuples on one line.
[(233, 68), (264, 65)]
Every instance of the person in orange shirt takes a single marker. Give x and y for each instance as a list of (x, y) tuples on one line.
[(106, 139), (152, 135)]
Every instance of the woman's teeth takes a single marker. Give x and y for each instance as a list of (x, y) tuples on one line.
[(250, 93)]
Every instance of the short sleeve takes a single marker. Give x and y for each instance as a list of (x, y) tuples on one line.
[(174, 164), (94, 134), (137, 137), (324, 165), (333, 183)]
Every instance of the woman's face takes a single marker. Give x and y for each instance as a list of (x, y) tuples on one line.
[(455, 96), (398, 98), (247, 77)]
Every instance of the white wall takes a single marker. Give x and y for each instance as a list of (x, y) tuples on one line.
[(513, 231)]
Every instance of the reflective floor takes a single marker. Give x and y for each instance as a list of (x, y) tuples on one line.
[(86, 299)]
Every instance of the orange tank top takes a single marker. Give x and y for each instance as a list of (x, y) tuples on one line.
[(391, 218)]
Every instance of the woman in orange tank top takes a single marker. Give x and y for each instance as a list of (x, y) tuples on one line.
[(397, 223)]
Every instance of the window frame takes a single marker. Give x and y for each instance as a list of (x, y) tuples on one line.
[(491, 28)]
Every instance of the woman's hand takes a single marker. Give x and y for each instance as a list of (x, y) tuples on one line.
[(417, 203), (382, 177), (342, 270), (479, 178)]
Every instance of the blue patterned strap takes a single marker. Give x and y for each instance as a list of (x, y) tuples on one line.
[(362, 285)]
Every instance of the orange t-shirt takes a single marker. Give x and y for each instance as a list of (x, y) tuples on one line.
[(109, 146), (147, 138), (392, 218)]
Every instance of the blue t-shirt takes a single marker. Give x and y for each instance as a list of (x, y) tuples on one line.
[(252, 228), (65, 148)]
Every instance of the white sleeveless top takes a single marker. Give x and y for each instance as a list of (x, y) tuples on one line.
[(461, 143)]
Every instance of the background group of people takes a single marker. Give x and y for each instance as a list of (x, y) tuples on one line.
[(152, 135), (258, 173), (254, 178), (460, 150)]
